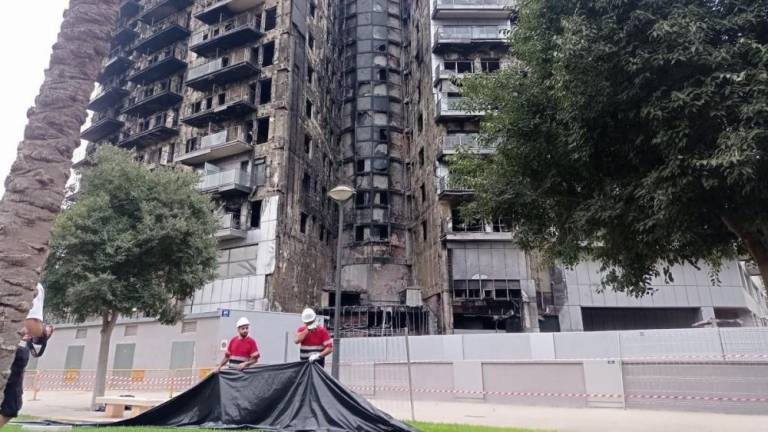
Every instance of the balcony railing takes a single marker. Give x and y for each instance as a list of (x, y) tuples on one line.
[(447, 184), (230, 227), (235, 66), (453, 107), (213, 11), (127, 32), (225, 143), (237, 31), (150, 130), (156, 10), (470, 143), (160, 64), (162, 33), (117, 63), (236, 103), (472, 8), (447, 37), (158, 96), (226, 180), (103, 125)]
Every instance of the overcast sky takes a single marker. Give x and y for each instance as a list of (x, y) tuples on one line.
[(26, 37)]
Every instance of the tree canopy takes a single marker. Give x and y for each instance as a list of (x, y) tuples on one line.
[(632, 132), (135, 240)]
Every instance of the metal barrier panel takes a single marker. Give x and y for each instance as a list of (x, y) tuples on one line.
[(680, 344), (717, 386), (546, 384)]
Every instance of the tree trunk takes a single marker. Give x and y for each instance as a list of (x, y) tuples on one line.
[(34, 189), (755, 243), (108, 321)]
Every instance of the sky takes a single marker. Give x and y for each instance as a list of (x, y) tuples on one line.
[(26, 38)]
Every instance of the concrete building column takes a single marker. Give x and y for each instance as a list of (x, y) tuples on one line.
[(707, 313)]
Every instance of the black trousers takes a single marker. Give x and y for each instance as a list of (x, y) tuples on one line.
[(12, 399)]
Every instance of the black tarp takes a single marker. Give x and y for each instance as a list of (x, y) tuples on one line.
[(285, 397)]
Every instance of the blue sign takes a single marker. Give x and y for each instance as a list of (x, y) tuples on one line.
[(225, 313)]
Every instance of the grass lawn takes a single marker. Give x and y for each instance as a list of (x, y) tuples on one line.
[(424, 427)]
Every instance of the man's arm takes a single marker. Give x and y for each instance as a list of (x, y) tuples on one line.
[(223, 362), (300, 336)]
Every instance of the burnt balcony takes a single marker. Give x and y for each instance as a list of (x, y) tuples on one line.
[(469, 142), (229, 142), (237, 31), (225, 182), (451, 189), (453, 107), (475, 230), (150, 130), (129, 9), (161, 64), (214, 11), (225, 106), (102, 126), (126, 33), (230, 227), (162, 34), (117, 63), (469, 37), (233, 67), (109, 96), (156, 10), (471, 9), (155, 97)]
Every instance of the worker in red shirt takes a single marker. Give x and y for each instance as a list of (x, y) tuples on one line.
[(315, 341), (242, 350)]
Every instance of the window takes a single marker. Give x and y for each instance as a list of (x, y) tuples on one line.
[(308, 109), (171, 153), (421, 156), (360, 166), (423, 191), (312, 8), (382, 74), (255, 214), (73, 359), (321, 235), (270, 18), (459, 66), (183, 353), (424, 230), (490, 65), (131, 330), (307, 144), (379, 232), (262, 130), (81, 333), (259, 172), (265, 91), (361, 198), (359, 233), (303, 226), (311, 42), (310, 74), (383, 135), (381, 198), (237, 262), (222, 99), (244, 166), (268, 54), (189, 326), (123, 359), (306, 182)]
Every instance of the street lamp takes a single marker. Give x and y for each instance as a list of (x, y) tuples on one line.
[(340, 194)]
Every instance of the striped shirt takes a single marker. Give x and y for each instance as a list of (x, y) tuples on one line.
[(315, 342)]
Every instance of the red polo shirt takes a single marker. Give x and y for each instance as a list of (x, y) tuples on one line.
[(242, 349), (316, 341)]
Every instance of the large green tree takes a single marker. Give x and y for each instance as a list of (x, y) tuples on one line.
[(633, 132), (135, 240)]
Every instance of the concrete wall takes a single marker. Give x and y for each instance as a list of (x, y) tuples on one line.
[(153, 341)]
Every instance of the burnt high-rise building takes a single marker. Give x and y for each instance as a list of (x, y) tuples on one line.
[(276, 102)]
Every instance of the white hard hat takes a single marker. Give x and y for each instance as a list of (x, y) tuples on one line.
[(243, 322), (308, 315)]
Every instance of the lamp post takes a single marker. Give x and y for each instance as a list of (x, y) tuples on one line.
[(340, 194)]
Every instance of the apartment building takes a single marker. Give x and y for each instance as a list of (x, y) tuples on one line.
[(242, 92), (275, 102)]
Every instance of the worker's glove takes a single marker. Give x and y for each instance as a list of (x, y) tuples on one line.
[(312, 326), (314, 357)]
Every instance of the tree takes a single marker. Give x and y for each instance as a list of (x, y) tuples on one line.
[(135, 240), (630, 132), (34, 188)]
